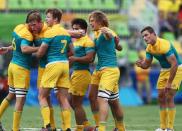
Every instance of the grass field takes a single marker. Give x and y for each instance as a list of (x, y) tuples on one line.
[(143, 118)]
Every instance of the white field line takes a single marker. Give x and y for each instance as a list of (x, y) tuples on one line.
[(128, 126), (38, 129)]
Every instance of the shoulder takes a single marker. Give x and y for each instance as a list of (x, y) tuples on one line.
[(23, 31), (49, 32), (164, 45), (112, 32), (148, 48), (64, 31), (88, 42), (55, 31)]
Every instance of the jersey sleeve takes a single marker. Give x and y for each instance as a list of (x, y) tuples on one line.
[(26, 36), (46, 41), (169, 52), (89, 46), (112, 32), (149, 56), (48, 36), (25, 42)]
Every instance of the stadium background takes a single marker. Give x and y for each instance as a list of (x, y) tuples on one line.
[(127, 18)]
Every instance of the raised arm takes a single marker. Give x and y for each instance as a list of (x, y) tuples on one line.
[(107, 33), (117, 45)]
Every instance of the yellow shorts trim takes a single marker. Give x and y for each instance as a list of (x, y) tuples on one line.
[(18, 77), (80, 80), (106, 79), (164, 75), (56, 75)]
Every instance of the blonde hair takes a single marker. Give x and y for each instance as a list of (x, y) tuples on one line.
[(33, 15), (99, 17)]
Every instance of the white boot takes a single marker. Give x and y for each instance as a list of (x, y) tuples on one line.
[(159, 129), (169, 129)]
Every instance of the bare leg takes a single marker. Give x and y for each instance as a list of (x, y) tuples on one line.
[(62, 96), (79, 111)]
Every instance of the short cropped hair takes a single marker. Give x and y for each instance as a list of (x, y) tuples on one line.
[(100, 17), (149, 29), (33, 15), (56, 13), (81, 22)]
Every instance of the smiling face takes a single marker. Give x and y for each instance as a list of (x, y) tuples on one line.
[(94, 24)]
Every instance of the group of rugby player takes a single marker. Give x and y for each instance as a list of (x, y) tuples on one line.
[(53, 46)]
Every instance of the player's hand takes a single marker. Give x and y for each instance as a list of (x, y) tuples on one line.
[(72, 59), (81, 32), (77, 33), (104, 30), (116, 40), (139, 62), (168, 86), (117, 45), (3, 50)]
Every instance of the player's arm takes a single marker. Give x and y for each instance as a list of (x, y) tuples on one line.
[(27, 48), (76, 33), (107, 33), (70, 50), (42, 50), (117, 45), (144, 63), (88, 58), (4, 50), (9, 48), (174, 66)]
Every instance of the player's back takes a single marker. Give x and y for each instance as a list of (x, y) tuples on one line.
[(58, 40), (21, 37)]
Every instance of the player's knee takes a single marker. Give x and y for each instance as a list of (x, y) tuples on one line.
[(161, 98), (170, 97), (92, 97), (41, 97), (19, 104), (161, 95), (72, 103), (10, 97), (75, 107)]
